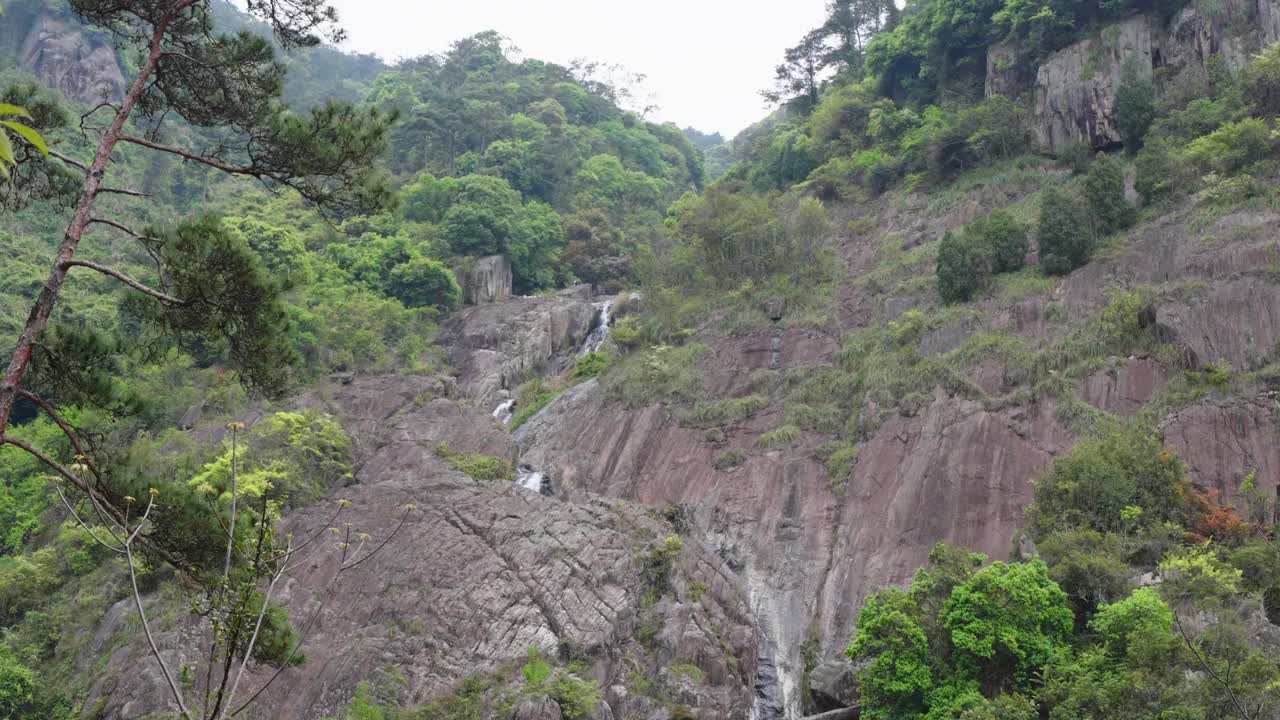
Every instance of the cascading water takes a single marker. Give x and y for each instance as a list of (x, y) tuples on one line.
[(599, 331), (532, 480), (505, 411)]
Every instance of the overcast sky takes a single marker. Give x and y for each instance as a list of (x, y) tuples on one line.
[(705, 60)]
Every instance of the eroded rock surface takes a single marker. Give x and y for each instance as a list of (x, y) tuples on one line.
[(63, 55), (481, 573), (498, 346), (487, 280)]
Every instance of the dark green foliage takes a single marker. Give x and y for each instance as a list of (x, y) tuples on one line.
[(967, 258), (1091, 486), (1135, 108), (963, 267), (1089, 566), (1066, 231), (423, 282), (225, 301), (1104, 191)]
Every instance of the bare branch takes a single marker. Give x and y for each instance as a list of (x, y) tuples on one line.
[(71, 509), (403, 518), (106, 270), (1244, 713), (146, 627), (68, 160)]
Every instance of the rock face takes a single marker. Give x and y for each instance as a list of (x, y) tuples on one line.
[(833, 685), (481, 573), (487, 280), (1075, 88), (497, 347), (63, 56)]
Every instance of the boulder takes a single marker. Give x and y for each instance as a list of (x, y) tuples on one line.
[(487, 280), (833, 685)]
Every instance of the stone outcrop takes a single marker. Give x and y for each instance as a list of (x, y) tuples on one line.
[(833, 685), (63, 55), (1075, 88), (481, 573), (496, 347), (487, 280)]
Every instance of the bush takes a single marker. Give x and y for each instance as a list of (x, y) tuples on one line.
[(1004, 238), (590, 365), (963, 267), (476, 466), (1261, 82), (1231, 147), (1091, 486), (729, 459), (1066, 236), (1088, 566), (1135, 108), (1104, 191), (1157, 175), (423, 282)]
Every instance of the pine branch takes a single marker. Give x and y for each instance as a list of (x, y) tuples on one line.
[(112, 272)]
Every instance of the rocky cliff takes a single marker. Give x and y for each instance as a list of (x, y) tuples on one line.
[(62, 54), (1075, 88)]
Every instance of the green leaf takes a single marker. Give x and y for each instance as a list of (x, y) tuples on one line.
[(30, 134), (6, 153), (7, 109)]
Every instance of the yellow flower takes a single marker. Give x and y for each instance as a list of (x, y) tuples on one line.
[(154, 492), (130, 499)]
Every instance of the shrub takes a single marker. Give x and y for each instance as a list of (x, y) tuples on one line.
[(1091, 486), (1135, 108), (1157, 173), (577, 699), (536, 669), (783, 436), (1003, 237), (1261, 82), (530, 399), (1104, 191), (1066, 237), (423, 282), (1126, 625), (474, 465), (729, 459), (963, 267), (590, 365), (1231, 147)]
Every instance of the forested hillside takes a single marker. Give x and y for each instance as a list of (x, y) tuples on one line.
[(946, 390)]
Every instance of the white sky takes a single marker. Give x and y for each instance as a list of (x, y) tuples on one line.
[(705, 60)]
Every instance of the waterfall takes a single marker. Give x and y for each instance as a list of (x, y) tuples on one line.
[(532, 480), (599, 331), (504, 411)]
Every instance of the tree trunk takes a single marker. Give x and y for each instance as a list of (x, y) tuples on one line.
[(43, 308)]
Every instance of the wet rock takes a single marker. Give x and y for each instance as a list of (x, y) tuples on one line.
[(498, 346), (833, 685), (541, 708), (487, 280), (841, 714)]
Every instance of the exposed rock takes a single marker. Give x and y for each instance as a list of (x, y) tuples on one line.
[(542, 708), (775, 308), (63, 56), (841, 714), (487, 280), (481, 573), (1076, 87), (1222, 442), (833, 685), (1006, 74), (498, 346), (1121, 390)]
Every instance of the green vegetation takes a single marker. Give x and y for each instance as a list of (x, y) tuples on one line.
[(484, 468), (1067, 635), (996, 243)]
